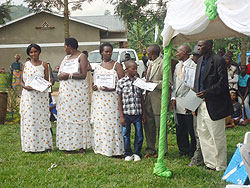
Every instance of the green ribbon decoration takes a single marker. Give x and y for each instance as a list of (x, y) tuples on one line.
[(211, 9), (160, 166)]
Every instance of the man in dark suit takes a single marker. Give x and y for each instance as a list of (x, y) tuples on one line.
[(211, 84)]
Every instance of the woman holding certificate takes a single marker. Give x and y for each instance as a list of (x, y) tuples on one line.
[(73, 128), (34, 105), (108, 138)]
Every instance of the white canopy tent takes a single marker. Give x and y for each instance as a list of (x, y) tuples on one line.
[(187, 21), (190, 20)]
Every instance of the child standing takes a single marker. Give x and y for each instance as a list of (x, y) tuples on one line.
[(131, 108)]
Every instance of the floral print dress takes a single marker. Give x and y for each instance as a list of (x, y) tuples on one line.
[(107, 130), (73, 120), (34, 110)]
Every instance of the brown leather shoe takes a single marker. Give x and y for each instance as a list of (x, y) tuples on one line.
[(156, 155), (148, 155)]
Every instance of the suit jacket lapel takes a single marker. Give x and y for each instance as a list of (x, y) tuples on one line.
[(178, 81), (154, 69), (208, 67)]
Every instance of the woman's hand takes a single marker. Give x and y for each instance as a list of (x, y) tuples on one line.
[(28, 88), (94, 87), (63, 76)]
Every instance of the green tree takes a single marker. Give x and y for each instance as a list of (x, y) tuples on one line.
[(5, 11), (50, 5), (141, 20)]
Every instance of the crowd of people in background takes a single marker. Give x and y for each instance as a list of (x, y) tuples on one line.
[(106, 128)]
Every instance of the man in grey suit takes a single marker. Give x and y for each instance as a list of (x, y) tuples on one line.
[(184, 119), (153, 99)]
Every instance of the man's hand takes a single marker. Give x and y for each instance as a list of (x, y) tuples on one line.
[(104, 88), (201, 94), (123, 121), (143, 118), (173, 103)]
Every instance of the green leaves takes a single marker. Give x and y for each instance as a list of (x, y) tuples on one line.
[(5, 12)]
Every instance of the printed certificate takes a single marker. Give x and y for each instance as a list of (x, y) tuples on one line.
[(106, 80), (191, 101), (141, 83), (40, 84), (189, 76), (70, 66)]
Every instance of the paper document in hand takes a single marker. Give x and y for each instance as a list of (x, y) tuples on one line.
[(40, 84), (105, 80), (188, 76), (145, 85), (191, 101), (70, 66)]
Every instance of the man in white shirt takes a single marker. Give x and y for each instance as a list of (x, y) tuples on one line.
[(184, 120)]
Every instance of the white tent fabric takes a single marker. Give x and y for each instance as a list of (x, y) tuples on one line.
[(187, 20), (235, 14)]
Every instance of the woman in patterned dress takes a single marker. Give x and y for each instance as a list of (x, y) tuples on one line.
[(107, 130), (16, 72), (73, 127), (34, 106)]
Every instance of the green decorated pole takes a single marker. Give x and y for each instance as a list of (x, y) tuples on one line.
[(160, 168), (211, 9)]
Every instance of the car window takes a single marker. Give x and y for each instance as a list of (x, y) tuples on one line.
[(95, 57), (115, 56), (132, 55)]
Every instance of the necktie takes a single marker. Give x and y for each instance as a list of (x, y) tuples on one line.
[(180, 72), (149, 71)]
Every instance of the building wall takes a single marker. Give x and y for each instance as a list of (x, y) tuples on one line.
[(24, 32)]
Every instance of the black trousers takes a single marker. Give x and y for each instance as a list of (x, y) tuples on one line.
[(184, 128)]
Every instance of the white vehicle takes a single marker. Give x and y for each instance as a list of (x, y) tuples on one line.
[(118, 55)]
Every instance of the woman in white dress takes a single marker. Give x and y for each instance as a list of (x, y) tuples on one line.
[(107, 130), (73, 126), (34, 106)]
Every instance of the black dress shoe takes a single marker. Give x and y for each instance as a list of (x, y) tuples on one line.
[(207, 168), (183, 154)]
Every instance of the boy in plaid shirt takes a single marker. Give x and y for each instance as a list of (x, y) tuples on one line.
[(131, 108)]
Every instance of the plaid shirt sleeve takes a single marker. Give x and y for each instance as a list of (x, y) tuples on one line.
[(119, 87)]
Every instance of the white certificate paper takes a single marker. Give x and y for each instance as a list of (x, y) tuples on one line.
[(191, 101), (189, 76), (105, 80), (141, 83), (70, 66), (40, 84)]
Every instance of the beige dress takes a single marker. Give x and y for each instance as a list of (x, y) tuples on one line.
[(73, 126), (107, 130), (34, 111)]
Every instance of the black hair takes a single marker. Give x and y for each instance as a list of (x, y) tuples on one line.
[(33, 45), (127, 54), (222, 49), (71, 42), (155, 49), (85, 52), (129, 63), (243, 66), (103, 45), (209, 43)]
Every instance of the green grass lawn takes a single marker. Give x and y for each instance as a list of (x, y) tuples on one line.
[(20, 169)]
